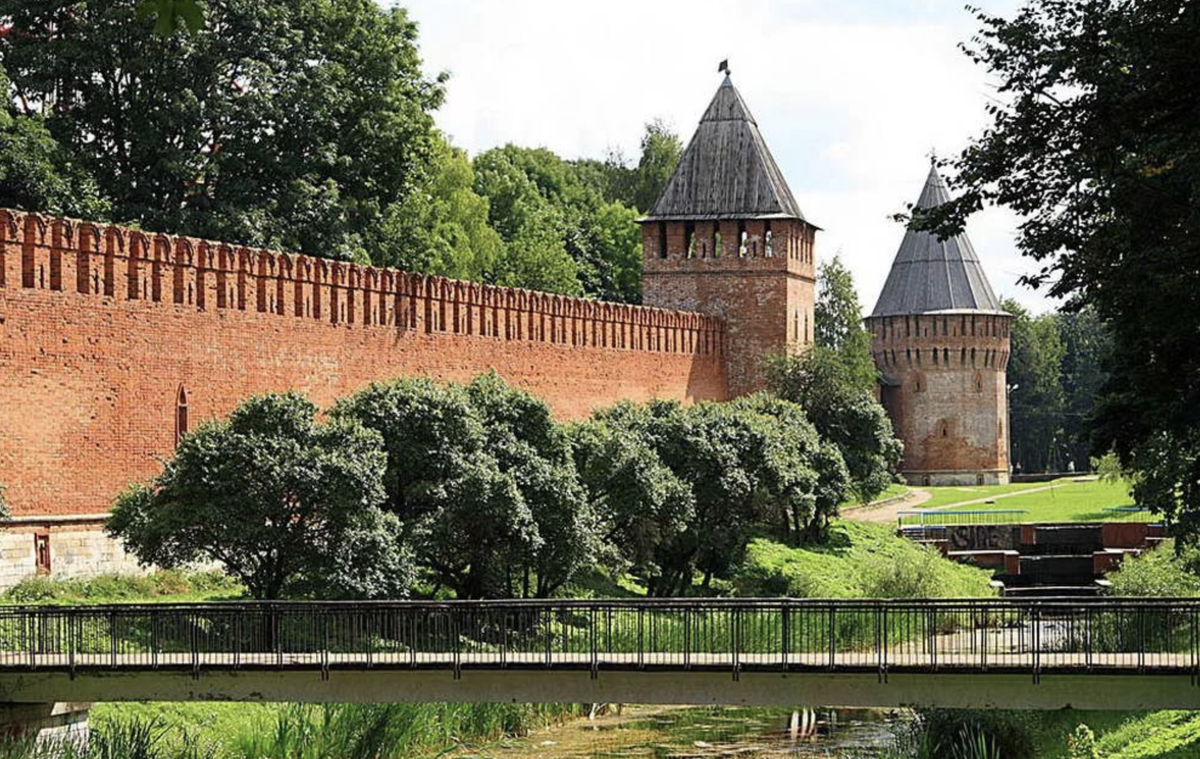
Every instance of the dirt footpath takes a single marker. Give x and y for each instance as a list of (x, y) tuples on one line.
[(887, 511)]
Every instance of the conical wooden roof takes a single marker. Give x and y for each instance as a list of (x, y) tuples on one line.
[(726, 172), (930, 274)]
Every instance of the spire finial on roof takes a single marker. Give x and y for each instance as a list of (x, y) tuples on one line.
[(724, 66)]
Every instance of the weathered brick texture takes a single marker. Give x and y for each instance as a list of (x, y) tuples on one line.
[(102, 327), (762, 285), (946, 394)]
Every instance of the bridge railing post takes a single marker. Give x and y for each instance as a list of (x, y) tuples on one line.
[(1036, 637), (641, 638), (593, 652), (736, 642), (785, 632), (832, 637)]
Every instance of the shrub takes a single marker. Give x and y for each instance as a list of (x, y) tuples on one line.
[(1161, 571)]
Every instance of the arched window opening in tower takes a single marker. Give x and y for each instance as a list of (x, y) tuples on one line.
[(717, 243), (769, 251), (181, 415)]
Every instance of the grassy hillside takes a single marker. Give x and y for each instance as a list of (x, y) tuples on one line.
[(860, 560)]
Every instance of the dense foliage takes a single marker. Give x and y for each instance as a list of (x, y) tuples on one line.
[(1054, 374), (474, 490), (835, 382), (483, 483), (295, 125), (1159, 573), (685, 488), (286, 504), (1093, 143)]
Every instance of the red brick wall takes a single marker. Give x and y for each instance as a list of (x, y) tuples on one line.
[(945, 396), (766, 301), (101, 326)]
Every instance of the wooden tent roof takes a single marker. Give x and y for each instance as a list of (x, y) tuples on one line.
[(726, 172), (932, 275)]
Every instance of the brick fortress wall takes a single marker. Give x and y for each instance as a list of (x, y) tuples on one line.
[(944, 390), (110, 336)]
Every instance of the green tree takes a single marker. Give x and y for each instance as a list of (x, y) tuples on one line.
[(1092, 142), (290, 124), (562, 235), (36, 174), (1036, 404), (171, 15), (640, 504), (288, 505), (844, 412), (661, 150), (483, 482), (706, 477), (1086, 348), (442, 227), (838, 324)]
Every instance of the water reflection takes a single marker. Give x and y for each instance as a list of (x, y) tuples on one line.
[(682, 733)]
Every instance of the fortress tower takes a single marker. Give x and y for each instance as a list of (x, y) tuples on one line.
[(727, 239), (940, 340)]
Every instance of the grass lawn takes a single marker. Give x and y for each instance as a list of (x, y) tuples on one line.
[(1068, 501), (951, 494)]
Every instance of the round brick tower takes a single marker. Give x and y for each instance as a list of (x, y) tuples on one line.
[(727, 239), (941, 341)]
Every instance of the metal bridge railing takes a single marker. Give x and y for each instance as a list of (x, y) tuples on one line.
[(735, 635), (940, 518)]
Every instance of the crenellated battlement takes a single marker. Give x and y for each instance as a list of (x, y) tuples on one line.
[(946, 340), (119, 263)]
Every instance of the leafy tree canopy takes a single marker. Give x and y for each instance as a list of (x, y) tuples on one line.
[(288, 505), (838, 323), (844, 412), (483, 481), (1093, 143), (1037, 402), (683, 488), (835, 382), (35, 172), (295, 125)]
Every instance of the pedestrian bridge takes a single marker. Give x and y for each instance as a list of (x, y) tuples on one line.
[(999, 653)]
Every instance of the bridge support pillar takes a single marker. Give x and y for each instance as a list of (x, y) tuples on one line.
[(55, 721)]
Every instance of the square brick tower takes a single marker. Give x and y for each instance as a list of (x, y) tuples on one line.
[(727, 239), (940, 340)]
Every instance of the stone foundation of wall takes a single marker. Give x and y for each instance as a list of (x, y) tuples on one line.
[(77, 549)]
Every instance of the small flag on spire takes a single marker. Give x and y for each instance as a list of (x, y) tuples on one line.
[(724, 67)]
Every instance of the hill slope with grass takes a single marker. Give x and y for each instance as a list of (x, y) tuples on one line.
[(859, 560)]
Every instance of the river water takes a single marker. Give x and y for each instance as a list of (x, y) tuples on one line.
[(683, 733)]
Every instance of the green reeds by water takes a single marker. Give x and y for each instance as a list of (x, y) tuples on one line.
[(297, 731)]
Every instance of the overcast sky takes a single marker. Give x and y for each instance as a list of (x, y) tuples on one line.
[(851, 96)]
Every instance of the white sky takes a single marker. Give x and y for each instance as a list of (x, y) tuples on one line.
[(851, 96)]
